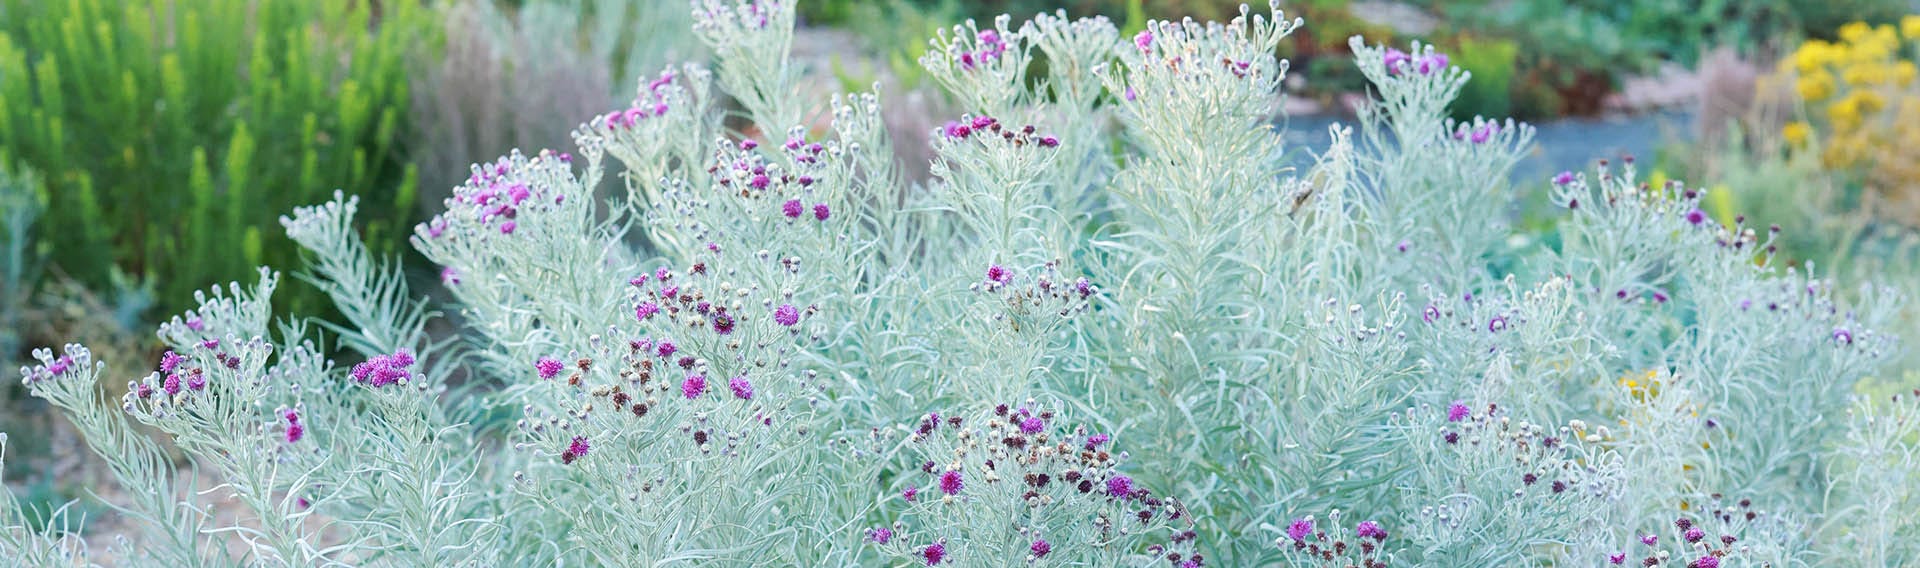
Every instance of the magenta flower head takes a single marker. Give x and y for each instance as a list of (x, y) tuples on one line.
[(171, 384), (549, 367), (1370, 529), (821, 212), (742, 389), (879, 535), (576, 449), (1484, 132), (988, 37), (1617, 558), (170, 361), (786, 315), (1394, 60), (1650, 539), (1040, 548), (1143, 40), (197, 381), (694, 386), (507, 227), (909, 493), (722, 323), (1433, 63), (934, 553), (1095, 441), (792, 208), (1458, 411), (295, 431), (1696, 216), (1300, 529), (952, 482), (1695, 534), (1032, 425), (666, 348), (645, 310), (1842, 336), (1563, 178), (1708, 561), (1119, 486), (449, 276), (998, 274)]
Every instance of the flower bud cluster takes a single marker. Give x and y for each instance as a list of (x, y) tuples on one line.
[(1309, 544), (975, 468)]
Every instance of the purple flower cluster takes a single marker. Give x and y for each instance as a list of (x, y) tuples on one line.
[(1399, 62), (694, 385), (576, 449), (654, 105), (1120, 487), (1477, 134), (55, 367), (1016, 457), (748, 175), (383, 370), (1300, 529), (1323, 549), (548, 367), (991, 47), (178, 373), (1370, 529), (295, 430), (990, 128), (998, 275), (786, 315), (742, 389), (497, 195), (934, 553), (952, 482), (1692, 538)]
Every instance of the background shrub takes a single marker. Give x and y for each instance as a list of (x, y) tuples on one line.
[(169, 135)]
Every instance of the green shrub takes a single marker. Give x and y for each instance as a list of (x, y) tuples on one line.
[(1492, 63), (168, 133)]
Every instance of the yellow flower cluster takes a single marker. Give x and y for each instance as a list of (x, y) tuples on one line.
[(1861, 102)]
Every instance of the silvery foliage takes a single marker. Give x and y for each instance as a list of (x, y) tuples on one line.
[(770, 349)]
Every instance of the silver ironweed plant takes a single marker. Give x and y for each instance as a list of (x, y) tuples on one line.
[(1115, 328)]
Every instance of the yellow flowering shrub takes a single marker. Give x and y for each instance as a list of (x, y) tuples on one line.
[(1861, 109)]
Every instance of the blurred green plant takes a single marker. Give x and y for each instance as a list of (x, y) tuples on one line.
[(20, 206), (1491, 60), (168, 133), (899, 45)]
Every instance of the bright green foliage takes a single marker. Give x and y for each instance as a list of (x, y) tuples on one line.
[(169, 132), (1492, 63)]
